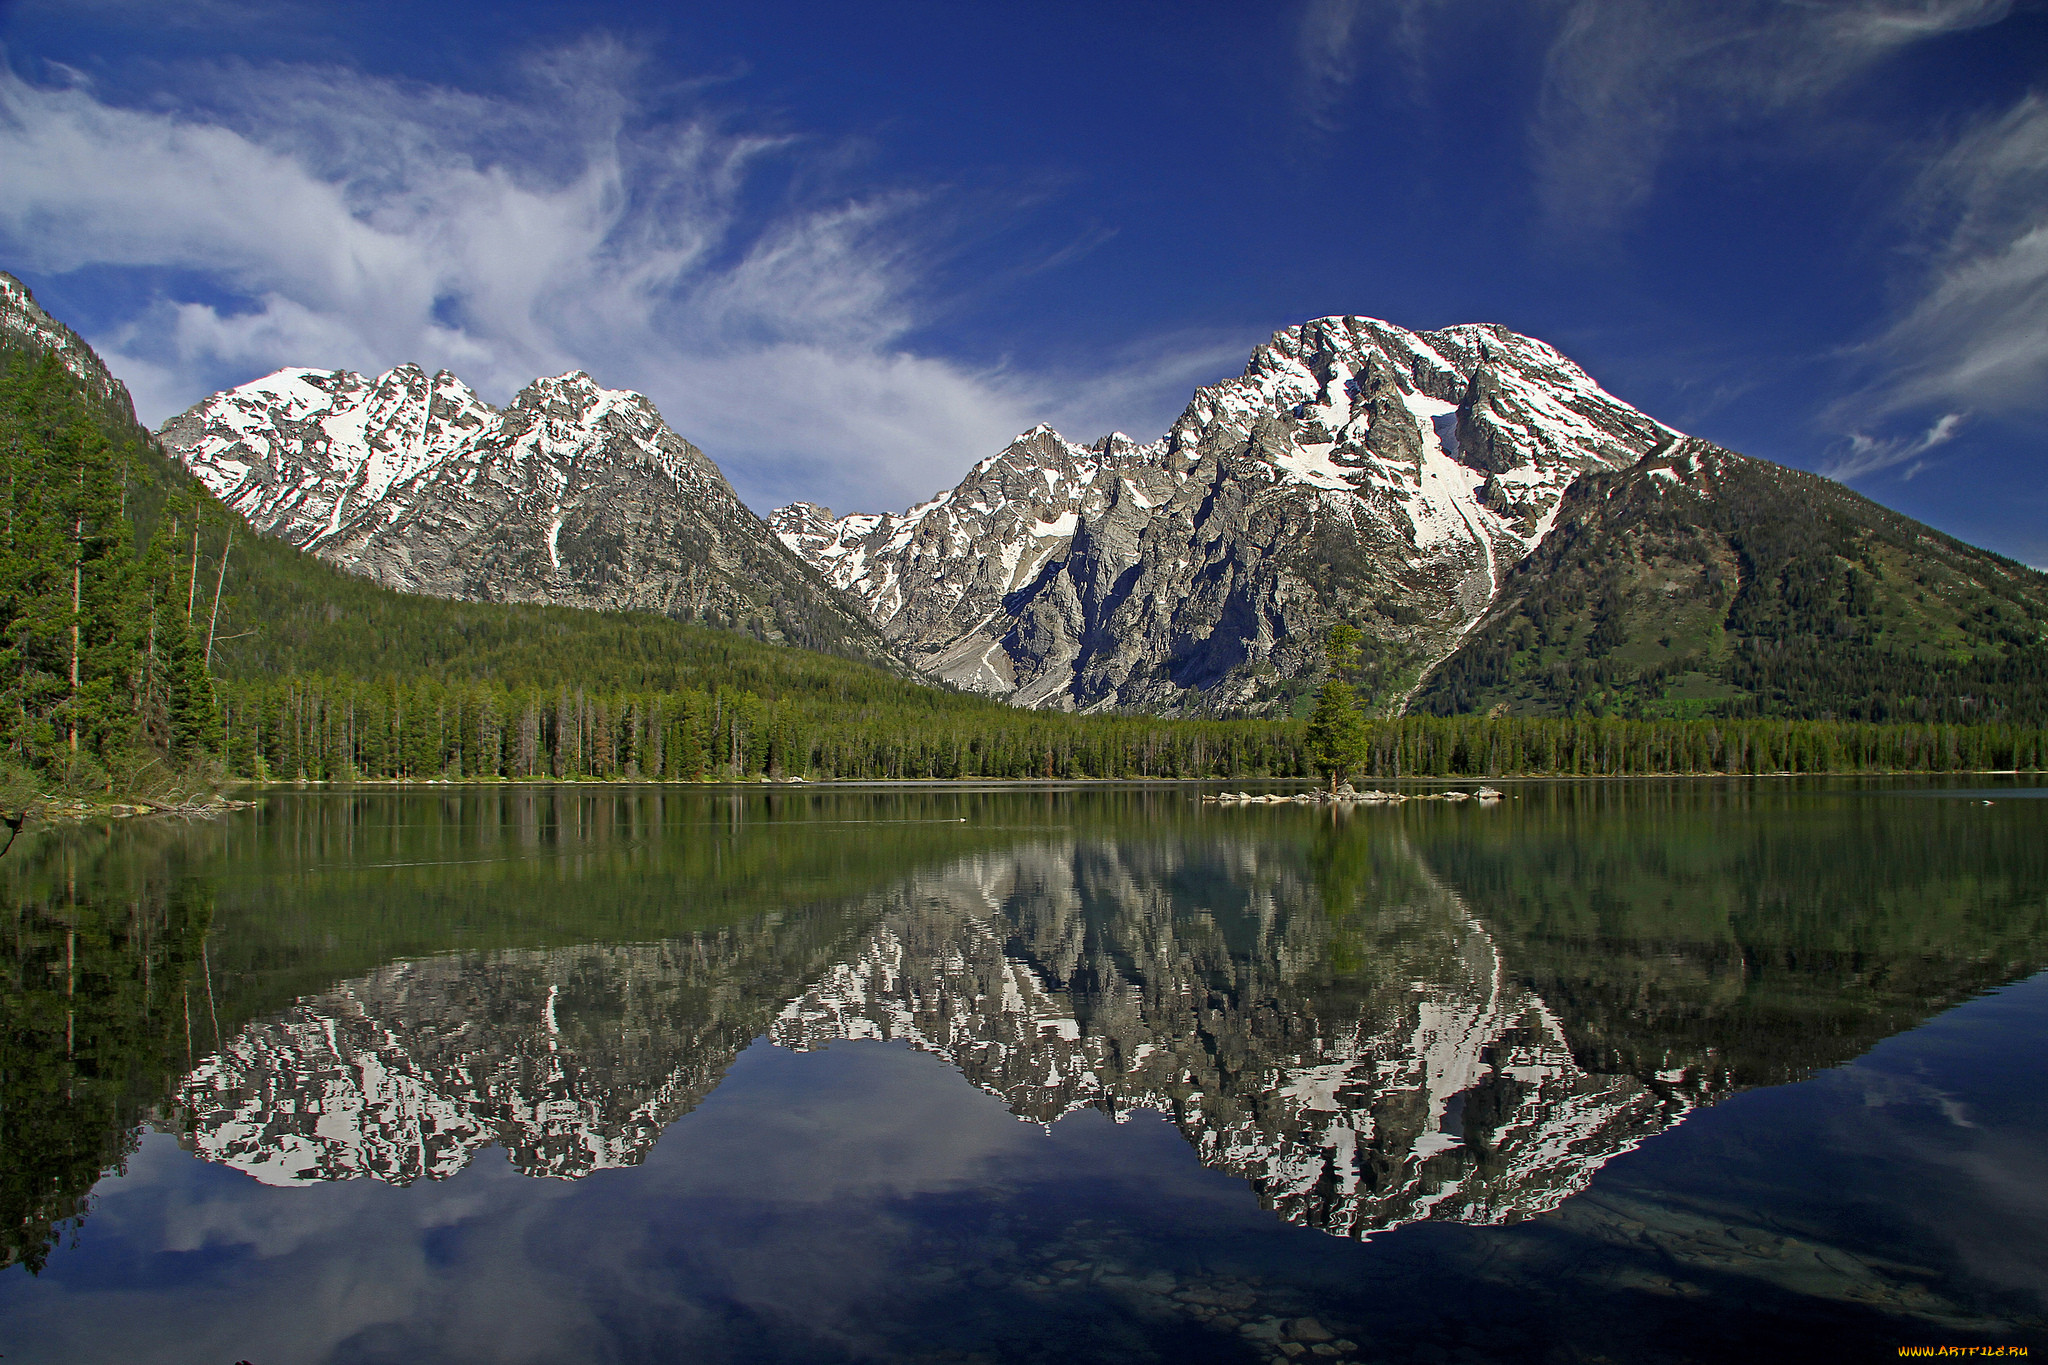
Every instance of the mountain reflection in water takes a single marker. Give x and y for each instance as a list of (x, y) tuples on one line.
[(1206, 980), (1439, 1018), (1055, 976)]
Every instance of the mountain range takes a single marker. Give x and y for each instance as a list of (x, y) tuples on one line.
[(573, 494), (1506, 535), (1354, 470)]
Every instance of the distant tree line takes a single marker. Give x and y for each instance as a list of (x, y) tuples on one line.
[(340, 729)]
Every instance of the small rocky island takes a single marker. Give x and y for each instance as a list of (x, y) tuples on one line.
[(1346, 794)]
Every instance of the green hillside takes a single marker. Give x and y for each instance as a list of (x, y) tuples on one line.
[(1701, 582)]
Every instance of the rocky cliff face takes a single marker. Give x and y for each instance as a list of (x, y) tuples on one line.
[(940, 579), (574, 494), (24, 324), (1355, 470)]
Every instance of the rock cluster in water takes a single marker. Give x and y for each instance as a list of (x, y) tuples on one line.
[(1346, 794)]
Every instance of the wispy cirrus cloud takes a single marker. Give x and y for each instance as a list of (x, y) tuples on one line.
[(1970, 334), (1625, 79), (1335, 40), (336, 219), (1326, 51), (1860, 453), (1977, 330)]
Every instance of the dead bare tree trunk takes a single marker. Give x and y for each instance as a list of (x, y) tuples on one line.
[(214, 624), (192, 585)]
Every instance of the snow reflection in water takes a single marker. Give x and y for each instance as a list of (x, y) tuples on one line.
[(1424, 1081), (1442, 1017)]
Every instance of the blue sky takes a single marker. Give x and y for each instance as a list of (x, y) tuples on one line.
[(850, 249)]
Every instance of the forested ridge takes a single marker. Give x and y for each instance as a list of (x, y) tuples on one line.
[(155, 644), (1702, 582)]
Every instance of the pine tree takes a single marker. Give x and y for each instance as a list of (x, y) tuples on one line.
[(1336, 732), (90, 678)]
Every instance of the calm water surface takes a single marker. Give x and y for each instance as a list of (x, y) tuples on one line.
[(1625, 1072)]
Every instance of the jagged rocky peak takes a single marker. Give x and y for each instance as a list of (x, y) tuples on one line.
[(961, 554), (578, 401), (572, 494), (24, 323), (1116, 445), (298, 451), (1354, 470), (802, 525), (1490, 398)]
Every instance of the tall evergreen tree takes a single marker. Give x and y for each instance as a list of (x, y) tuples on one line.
[(1336, 730), (98, 676)]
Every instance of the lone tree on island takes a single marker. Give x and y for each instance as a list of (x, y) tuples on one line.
[(1336, 732)]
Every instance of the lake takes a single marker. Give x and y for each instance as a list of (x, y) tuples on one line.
[(1603, 1071)]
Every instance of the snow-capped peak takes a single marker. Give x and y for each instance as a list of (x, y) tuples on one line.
[(1444, 454), (573, 493)]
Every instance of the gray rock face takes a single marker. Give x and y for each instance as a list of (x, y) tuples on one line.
[(574, 494), (24, 323), (1354, 471), (941, 580)]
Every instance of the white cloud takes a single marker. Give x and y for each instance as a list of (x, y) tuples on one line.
[(1335, 39), (337, 219), (1862, 453), (1971, 331), (1977, 331), (1325, 46), (1626, 78)]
